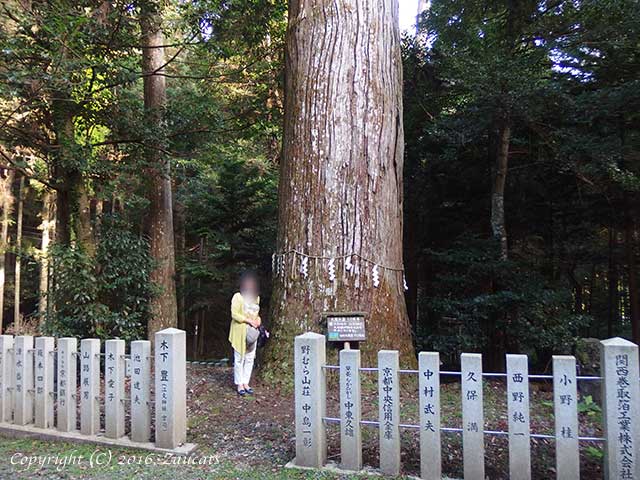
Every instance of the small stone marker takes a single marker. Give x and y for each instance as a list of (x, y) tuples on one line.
[(472, 416), (90, 386), (518, 411), (140, 383), (6, 378), (429, 391), (621, 408), (114, 388), (23, 385), (350, 434), (44, 382), (565, 404), (389, 411), (67, 383), (171, 387), (310, 389)]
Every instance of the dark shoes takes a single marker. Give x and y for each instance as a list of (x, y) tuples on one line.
[(242, 392), (249, 391), (245, 391)]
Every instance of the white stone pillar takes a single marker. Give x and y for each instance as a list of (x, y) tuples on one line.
[(90, 386), (67, 384), (6, 378), (389, 411), (565, 403), (621, 408), (350, 435), (44, 393), (114, 388), (23, 398), (429, 391), (472, 416), (140, 385), (171, 387), (310, 400), (518, 411)]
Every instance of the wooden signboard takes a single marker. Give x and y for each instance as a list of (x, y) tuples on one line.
[(345, 326)]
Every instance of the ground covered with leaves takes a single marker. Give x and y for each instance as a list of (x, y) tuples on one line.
[(254, 437)]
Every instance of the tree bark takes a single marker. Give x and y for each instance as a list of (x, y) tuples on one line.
[(498, 225), (48, 219), (17, 316), (6, 190), (341, 175), (163, 306)]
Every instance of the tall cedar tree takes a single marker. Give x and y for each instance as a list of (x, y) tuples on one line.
[(341, 174), (164, 305)]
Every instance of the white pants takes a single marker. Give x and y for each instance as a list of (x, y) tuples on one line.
[(243, 365)]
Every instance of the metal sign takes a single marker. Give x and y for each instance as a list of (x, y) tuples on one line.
[(345, 326)]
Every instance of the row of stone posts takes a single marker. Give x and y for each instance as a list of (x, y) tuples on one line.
[(28, 393), (621, 411)]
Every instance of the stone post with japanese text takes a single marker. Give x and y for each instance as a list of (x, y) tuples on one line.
[(429, 392), (170, 346), (140, 386), (565, 405), (23, 381), (621, 408), (6, 378), (44, 392), (310, 401), (67, 384), (389, 411), (350, 434), (114, 376), (90, 386), (472, 416)]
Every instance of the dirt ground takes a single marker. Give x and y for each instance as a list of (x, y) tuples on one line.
[(259, 431)]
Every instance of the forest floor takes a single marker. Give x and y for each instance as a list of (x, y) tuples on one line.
[(253, 437)]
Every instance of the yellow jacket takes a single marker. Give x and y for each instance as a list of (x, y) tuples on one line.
[(238, 330)]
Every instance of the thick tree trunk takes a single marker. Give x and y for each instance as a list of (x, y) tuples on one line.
[(17, 316), (341, 175), (498, 225), (48, 219), (6, 191), (84, 229), (163, 306)]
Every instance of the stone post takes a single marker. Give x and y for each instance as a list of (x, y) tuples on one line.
[(44, 393), (472, 416), (90, 386), (350, 435), (114, 388), (518, 411), (6, 378), (621, 408), (23, 386), (171, 387), (565, 404), (389, 411), (310, 400), (67, 383), (429, 392), (140, 385)]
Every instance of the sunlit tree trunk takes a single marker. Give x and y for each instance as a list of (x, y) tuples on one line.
[(341, 174), (17, 316), (163, 306), (6, 200), (498, 225), (46, 226)]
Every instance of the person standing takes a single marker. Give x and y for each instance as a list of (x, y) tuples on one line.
[(243, 334)]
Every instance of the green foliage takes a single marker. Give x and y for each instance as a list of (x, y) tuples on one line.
[(105, 296)]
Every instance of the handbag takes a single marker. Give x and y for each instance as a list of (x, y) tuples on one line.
[(263, 337), (252, 335)]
